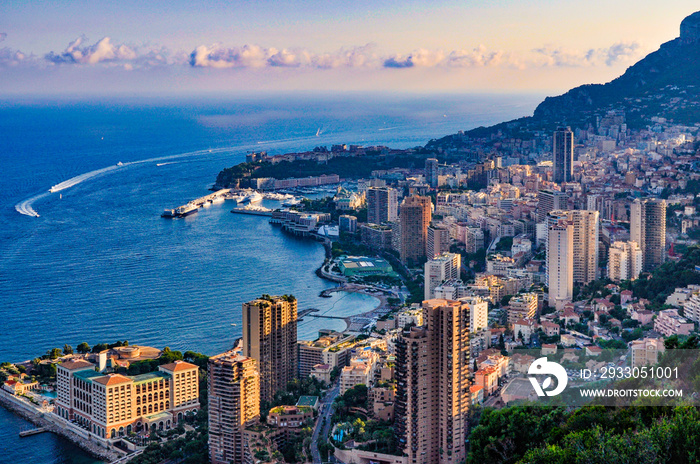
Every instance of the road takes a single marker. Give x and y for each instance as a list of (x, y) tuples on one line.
[(323, 427)]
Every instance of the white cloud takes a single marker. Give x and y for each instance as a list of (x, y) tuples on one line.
[(10, 57), (620, 52)]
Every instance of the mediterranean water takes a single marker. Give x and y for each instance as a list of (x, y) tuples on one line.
[(99, 264)]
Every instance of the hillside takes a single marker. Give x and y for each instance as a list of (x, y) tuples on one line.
[(665, 83)]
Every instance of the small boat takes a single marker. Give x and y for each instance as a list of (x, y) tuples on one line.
[(120, 164)]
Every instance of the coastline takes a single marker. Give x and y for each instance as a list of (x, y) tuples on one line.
[(18, 408), (356, 322)]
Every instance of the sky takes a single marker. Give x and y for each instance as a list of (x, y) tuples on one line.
[(239, 47)]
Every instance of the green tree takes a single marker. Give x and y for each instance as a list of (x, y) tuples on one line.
[(67, 349), (83, 348)]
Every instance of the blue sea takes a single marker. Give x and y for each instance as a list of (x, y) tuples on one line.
[(98, 264)]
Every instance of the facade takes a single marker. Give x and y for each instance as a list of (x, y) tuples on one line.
[(439, 269), (331, 348), (415, 219), (478, 312), (560, 264), (522, 306), (376, 236), (270, 337), (668, 323), (382, 205), (438, 241), (431, 172), (111, 406), (648, 229), (433, 397), (646, 352), (550, 200), (347, 223), (563, 155), (585, 245), (624, 261), (234, 403)]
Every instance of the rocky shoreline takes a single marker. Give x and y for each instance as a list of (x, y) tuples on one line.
[(91, 448)]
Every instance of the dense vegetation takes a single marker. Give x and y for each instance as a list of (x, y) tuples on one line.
[(593, 434)]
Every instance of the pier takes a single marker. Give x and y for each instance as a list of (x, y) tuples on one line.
[(253, 212), (30, 432), (197, 203)]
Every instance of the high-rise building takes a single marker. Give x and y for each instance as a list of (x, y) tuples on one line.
[(553, 218), (478, 312), (432, 395), (648, 229), (438, 241), (415, 219), (447, 266), (234, 403), (624, 261), (431, 172), (563, 155), (382, 205), (560, 263), (586, 235), (550, 200), (270, 337)]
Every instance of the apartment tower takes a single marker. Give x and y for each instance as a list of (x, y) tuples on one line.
[(447, 266), (438, 241), (648, 229), (415, 219), (431, 172), (586, 236), (624, 261), (432, 397), (234, 404), (563, 155), (382, 205), (270, 337), (560, 263)]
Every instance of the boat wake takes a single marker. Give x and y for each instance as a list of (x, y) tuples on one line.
[(25, 207)]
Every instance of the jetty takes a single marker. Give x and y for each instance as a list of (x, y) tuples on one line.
[(30, 432), (254, 212), (192, 206)]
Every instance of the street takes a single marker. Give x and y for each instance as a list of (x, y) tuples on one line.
[(323, 427)]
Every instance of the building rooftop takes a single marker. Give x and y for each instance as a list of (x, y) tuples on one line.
[(87, 375), (308, 401), (112, 379), (72, 365), (178, 366), (141, 378)]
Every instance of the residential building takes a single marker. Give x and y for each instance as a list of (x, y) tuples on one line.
[(438, 241), (548, 201), (234, 404), (376, 236), (522, 306), (648, 229), (431, 172), (560, 263), (415, 218), (432, 395), (668, 323), (624, 261), (382, 205), (347, 223), (270, 337), (646, 352), (331, 348), (585, 245), (109, 406), (439, 269), (563, 155), (478, 312)]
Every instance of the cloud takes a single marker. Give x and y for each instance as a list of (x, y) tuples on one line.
[(620, 52), (10, 57), (3, 36), (255, 56), (101, 51)]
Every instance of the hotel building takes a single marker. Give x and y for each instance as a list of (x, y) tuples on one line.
[(110, 406)]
